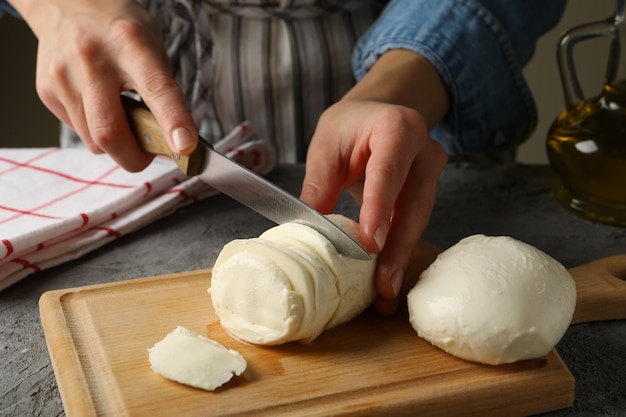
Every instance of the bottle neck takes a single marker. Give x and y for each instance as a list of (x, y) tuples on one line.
[(616, 69)]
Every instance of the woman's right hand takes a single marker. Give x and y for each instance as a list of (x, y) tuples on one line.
[(88, 53)]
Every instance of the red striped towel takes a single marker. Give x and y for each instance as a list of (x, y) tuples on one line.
[(59, 204)]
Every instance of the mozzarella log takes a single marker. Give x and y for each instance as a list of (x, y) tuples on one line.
[(289, 284)]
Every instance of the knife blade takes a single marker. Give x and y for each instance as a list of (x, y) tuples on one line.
[(238, 182)]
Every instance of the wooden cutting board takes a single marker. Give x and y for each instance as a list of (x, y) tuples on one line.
[(98, 338)]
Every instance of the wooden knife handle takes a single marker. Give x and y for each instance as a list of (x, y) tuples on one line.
[(150, 137)]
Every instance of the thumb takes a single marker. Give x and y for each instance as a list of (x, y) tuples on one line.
[(167, 102), (176, 122)]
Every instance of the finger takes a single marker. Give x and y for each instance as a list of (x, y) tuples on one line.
[(109, 128), (385, 307), (58, 85), (56, 91), (78, 123), (104, 118), (410, 217), (391, 158), (73, 106), (149, 74), (50, 100), (51, 76), (321, 188)]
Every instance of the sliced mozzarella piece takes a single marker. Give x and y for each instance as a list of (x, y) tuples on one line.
[(191, 359)]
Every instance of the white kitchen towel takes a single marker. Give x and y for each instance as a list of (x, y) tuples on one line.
[(58, 204)]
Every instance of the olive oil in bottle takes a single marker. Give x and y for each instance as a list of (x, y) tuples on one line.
[(586, 145)]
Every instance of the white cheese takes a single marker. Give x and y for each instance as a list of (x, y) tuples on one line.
[(191, 359), (354, 280), (289, 284), (493, 300)]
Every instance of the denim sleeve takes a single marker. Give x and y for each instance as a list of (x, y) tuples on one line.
[(5, 7), (479, 48)]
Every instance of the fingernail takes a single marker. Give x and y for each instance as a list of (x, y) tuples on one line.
[(380, 236), (396, 281), (182, 139)]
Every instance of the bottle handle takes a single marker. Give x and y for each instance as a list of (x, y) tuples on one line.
[(565, 55)]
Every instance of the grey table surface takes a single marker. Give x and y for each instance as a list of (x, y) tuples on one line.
[(515, 201)]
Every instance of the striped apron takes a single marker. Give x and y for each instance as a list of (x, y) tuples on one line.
[(275, 63)]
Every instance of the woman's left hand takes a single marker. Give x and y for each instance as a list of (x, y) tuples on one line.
[(376, 146)]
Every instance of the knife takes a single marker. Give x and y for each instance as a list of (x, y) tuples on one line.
[(237, 181)]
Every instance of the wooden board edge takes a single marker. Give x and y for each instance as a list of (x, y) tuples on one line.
[(74, 392), (58, 294), (405, 398)]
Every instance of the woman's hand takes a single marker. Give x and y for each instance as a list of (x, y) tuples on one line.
[(375, 143), (90, 52)]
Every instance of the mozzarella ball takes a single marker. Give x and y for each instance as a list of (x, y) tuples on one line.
[(493, 300)]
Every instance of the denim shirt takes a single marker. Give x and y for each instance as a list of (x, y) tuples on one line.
[(7, 8), (479, 48)]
